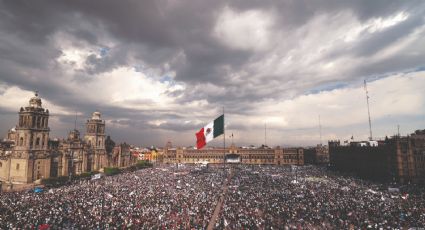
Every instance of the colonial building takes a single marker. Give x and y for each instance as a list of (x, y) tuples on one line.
[(276, 156), (317, 155), (122, 156), (95, 138), (28, 157), (418, 151), (397, 159), (27, 154), (71, 156)]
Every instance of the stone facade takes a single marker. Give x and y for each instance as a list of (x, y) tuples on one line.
[(397, 159), (418, 151), (28, 155), (275, 156), (95, 138), (28, 160), (122, 156)]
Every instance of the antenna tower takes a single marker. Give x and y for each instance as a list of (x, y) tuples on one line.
[(265, 134), (368, 110), (320, 131), (398, 130)]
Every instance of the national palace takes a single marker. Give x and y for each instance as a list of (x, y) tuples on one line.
[(233, 154)]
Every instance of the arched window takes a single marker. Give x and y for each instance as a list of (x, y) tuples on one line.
[(37, 141), (21, 141), (17, 166)]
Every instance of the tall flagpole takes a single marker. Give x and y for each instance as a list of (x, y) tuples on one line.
[(224, 144)]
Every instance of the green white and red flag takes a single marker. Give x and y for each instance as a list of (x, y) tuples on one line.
[(209, 132)]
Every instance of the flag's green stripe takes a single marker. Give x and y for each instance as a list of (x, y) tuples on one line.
[(219, 126)]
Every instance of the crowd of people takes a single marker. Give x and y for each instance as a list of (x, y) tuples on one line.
[(255, 197), (155, 198), (268, 197)]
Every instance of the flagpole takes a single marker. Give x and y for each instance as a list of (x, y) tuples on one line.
[(224, 145)]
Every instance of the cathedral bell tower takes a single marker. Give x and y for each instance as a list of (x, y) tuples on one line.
[(95, 138), (30, 160)]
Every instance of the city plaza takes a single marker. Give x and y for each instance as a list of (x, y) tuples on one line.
[(185, 196)]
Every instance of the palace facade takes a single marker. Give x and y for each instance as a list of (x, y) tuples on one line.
[(271, 156)]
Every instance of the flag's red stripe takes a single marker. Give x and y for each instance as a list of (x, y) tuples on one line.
[(200, 139)]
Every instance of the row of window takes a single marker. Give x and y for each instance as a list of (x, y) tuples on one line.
[(33, 121), (16, 166), (95, 129), (243, 157), (37, 141)]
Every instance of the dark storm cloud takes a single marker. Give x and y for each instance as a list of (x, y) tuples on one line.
[(177, 36)]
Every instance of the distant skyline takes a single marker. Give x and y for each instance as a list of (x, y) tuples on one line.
[(158, 71)]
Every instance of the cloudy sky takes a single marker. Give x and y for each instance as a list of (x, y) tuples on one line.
[(160, 70)]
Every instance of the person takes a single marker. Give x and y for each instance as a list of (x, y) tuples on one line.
[(256, 198)]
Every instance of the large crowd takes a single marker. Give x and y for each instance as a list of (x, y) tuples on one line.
[(255, 197), (267, 197), (155, 198)]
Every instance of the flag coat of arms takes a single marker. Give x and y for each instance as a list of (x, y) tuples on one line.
[(209, 132)]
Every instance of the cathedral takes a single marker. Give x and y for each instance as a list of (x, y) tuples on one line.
[(28, 155)]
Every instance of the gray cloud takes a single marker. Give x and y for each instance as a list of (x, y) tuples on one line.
[(169, 37)]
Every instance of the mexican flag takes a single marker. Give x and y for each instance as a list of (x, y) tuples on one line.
[(209, 132)]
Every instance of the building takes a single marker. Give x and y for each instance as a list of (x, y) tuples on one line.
[(95, 138), (122, 156), (418, 151), (310, 155), (317, 155), (397, 159), (271, 156), (28, 155), (27, 159), (70, 156)]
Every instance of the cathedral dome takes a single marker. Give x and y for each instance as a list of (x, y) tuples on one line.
[(35, 101)]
